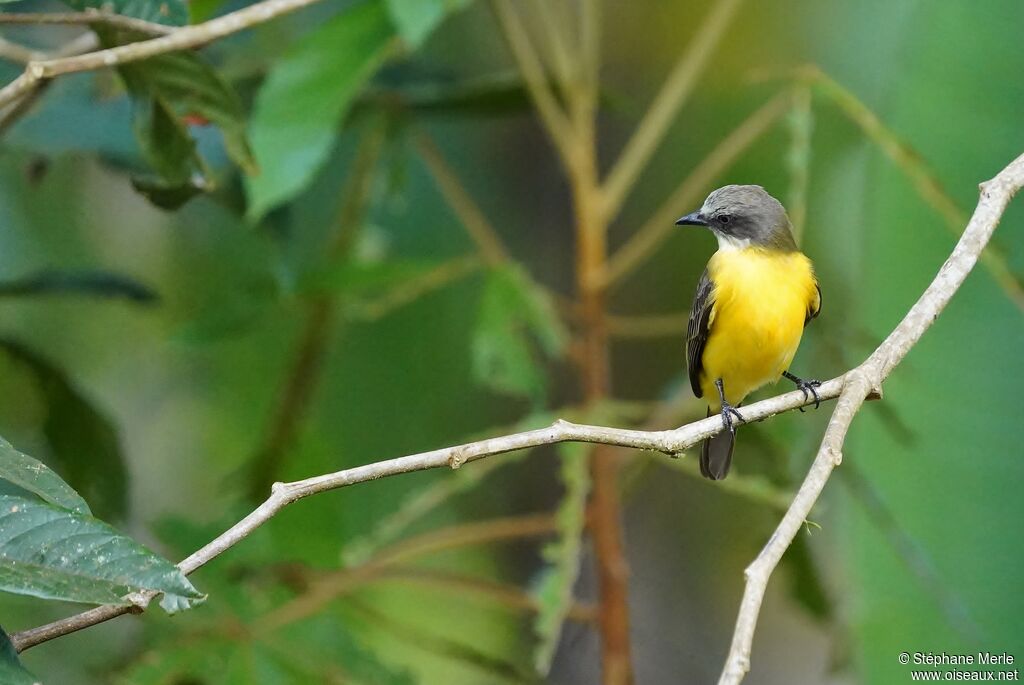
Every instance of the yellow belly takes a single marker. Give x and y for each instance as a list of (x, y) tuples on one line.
[(761, 302)]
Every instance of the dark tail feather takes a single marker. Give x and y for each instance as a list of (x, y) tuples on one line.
[(716, 455)]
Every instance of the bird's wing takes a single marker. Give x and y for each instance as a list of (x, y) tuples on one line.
[(697, 329), (814, 306)]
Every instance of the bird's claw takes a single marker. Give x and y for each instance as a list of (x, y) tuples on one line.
[(808, 387), (728, 411)]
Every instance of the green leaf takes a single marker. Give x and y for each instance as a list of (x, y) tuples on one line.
[(84, 442), (11, 670), (171, 12), (305, 97), (168, 90), (35, 477), (416, 19), (54, 553), (164, 140), (554, 593), (166, 195), (514, 311)]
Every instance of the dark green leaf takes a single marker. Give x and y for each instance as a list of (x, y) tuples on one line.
[(34, 476), (11, 670), (83, 441), (166, 195), (554, 593), (168, 90), (171, 12), (54, 553), (192, 88), (91, 283), (416, 19), (164, 141), (306, 95), (514, 312)]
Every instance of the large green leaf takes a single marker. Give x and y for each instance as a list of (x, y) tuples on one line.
[(54, 553), (11, 670), (35, 477), (514, 312), (172, 12), (305, 97), (84, 442), (554, 593), (416, 19)]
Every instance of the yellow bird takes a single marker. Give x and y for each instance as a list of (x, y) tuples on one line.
[(753, 301)]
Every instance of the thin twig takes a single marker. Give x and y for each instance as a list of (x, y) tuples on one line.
[(647, 326), (88, 17), (499, 593), (551, 113), (307, 362), (672, 442), (644, 242), (414, 288), (473, 219), (182, 39), (923, 178), (798, 159), (15, 52), (858, 384), (331, 586), (666, 105), (552, 30)]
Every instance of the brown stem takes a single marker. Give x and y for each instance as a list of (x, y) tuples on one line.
[(605, 518), (303, 376)]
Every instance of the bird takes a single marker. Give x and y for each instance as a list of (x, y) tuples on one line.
[(753, 301)]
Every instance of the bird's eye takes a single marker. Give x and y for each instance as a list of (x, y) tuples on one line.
[(723, 218)]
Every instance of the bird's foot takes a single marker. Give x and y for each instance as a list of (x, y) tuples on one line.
[(728, 411), (807, 387)]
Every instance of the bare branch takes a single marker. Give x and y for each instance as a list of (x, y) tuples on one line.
[(182, 39), (87, 17), (666, 105), (672, 442), (857, 386)]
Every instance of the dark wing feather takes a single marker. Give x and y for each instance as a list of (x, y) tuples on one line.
[(697, 330), (814, 307)]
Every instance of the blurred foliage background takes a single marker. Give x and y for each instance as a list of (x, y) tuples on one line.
[(333, 310)]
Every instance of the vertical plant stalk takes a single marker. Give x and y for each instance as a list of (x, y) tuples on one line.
[(605, 517), (798, 158), (321, 321)]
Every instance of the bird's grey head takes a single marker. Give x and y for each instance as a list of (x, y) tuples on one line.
[(744, 216)]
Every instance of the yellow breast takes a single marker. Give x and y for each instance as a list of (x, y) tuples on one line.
[(761, 302)]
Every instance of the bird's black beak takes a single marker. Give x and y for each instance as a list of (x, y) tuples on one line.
[(692, 219)]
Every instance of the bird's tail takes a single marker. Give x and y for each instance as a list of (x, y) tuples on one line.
[(716, 454)]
